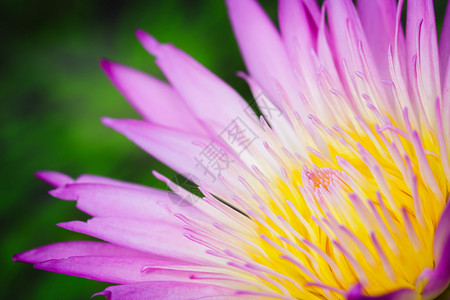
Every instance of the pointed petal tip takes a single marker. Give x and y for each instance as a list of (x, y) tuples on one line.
[(55, 193), (112, 69), (242, 75), (105, 64), (63, 194), (140, 33), (108, 122), (102, 293), (17, 257), (122, 125), (159, 176), (29, 256), (25, 257), (53, 178), (69, 225), (148, 42)]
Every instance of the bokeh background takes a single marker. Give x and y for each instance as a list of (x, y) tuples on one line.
[(53, 94)]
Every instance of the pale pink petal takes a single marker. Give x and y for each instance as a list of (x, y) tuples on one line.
[(360, 72), (378, 19), (438, 278), (156, 237), (178, 150), (54, 178), (204, 93), (444, 43), (58, 179), (162, 290), (155, 100), (298, 32), (325, 52), (262, 49), (120, 270), (343, 19), (89, 178), (446, 97), (75, 248), (442, 235), (102, 196), (420, 18), (115, 201), (313, 9), (348, 37)]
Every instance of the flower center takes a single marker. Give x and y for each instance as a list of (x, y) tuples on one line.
[(324, 225)]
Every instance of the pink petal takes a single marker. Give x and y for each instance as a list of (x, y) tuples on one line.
[(444, 43), (58, 179), (313, 9), (422, 11), (107, 269), (204, 93), (341, 15), (156, 237), (165, 290), (378, 19), (438, 278), (176, 149), (75, 248), (117, 201), (446, 97), (89, 178), (442, 236), (299, 34), (155, 100), (96, 198), (354, 57), (262, 49), (54, 178), (326, 55), (120, 270), (356, 293)]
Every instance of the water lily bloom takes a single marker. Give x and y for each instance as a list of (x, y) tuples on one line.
[(337, 188)]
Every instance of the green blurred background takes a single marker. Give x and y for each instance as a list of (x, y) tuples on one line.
[(53, 93)]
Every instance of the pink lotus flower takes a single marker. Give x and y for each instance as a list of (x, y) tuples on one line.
[(343, 196)]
